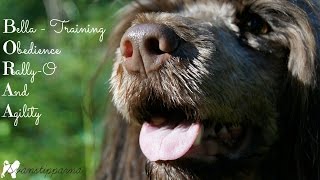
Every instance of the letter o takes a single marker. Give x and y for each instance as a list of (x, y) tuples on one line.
[(49, 66), (14, 47)]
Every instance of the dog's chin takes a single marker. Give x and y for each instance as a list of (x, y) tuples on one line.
[(195, 168), (178, 144)]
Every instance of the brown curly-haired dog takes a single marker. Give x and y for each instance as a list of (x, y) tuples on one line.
[(215, 89)]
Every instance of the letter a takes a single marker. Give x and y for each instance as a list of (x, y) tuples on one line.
[(8, 111), (8, 89)]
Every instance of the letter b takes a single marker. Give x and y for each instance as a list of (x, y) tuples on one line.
[(9, 23)]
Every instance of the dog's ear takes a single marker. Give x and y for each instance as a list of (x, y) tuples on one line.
[(302, 44), (300, 109)]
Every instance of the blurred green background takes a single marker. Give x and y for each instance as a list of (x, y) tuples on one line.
[(72, 102)]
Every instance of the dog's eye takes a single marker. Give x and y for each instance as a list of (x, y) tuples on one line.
[(254, 24)]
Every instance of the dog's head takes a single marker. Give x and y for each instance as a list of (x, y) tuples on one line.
[(222, 88)]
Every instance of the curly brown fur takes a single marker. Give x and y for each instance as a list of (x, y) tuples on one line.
[(252, 64)]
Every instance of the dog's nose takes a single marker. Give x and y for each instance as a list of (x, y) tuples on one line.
[(145, 47)]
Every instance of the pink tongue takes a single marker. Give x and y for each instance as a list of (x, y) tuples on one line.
[(163, 143)]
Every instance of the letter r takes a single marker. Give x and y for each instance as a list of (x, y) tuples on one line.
[(8, 65)]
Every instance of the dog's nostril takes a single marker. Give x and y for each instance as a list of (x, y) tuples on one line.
[(160, 45), (128, 49), (153, 46), (169, 44)]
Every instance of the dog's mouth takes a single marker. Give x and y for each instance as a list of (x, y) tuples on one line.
[(170, 134)]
